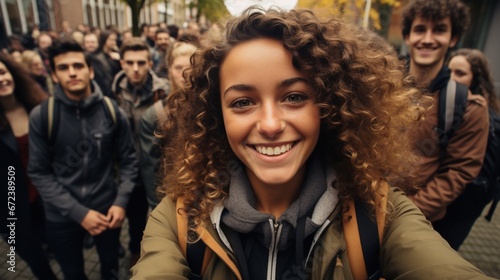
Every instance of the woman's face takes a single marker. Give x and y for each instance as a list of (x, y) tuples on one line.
[(17, 56), (6, 81), (269, 112), (175, 71), (460, 70), (37, 67), (111, 42)]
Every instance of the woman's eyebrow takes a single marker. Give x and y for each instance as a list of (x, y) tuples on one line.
[(291, 81), (282, 84), (239, 87)]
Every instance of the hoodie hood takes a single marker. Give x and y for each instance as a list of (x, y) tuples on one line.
[(120, 83), (441, 80), (95, 97), (316, 201)]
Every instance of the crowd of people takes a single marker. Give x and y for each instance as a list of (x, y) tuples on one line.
[(263, 141)]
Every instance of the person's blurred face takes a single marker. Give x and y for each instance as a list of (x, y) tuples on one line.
[(136, 65), (126, 36), (6, 81), (162, 41), (152, 32), (36, 67), (90, 43), (176, 71), (460, 70), (44, 41), (78, 36), (110, 44), (17, 56)]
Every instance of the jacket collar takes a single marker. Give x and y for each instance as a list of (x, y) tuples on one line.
[(321, 204), (95, 97), (121, 82), (441, 80)]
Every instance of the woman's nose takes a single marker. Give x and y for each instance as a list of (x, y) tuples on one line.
[(271, 122)]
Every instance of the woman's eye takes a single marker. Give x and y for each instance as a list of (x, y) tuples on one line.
[(295, 97), (241, 103)]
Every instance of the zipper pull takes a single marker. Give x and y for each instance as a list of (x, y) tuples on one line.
[(98, 138)]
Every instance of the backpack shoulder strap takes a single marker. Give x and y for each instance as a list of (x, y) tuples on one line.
[(364, 236), (197, 254), (111, 108), (50, 119), (451, 110)]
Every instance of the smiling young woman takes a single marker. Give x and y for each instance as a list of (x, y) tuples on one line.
[(283, 122)]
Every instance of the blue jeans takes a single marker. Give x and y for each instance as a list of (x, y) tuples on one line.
[(66, 241)]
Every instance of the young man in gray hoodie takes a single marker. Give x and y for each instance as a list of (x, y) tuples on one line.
[(73, 160)]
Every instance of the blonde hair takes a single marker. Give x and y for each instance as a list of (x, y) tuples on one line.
[(27, 59), (178, 49)]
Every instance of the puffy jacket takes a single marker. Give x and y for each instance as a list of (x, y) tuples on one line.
[(79, 173), (411, 249)]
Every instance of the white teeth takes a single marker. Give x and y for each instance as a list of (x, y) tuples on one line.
[(277, 151), (273, 151)]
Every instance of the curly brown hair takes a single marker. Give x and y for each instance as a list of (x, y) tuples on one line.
[(26, 90), (365, 100), (482, 82), (436, 10)]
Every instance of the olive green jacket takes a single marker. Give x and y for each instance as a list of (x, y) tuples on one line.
[(411, 249)]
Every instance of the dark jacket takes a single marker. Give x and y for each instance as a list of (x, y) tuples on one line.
[(445, 177), (79, 173), (150, 153), (105, 69), (10, 162)]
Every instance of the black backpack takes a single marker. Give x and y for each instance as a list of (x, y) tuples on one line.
[(490, 172), (50, 111), (452, 105)]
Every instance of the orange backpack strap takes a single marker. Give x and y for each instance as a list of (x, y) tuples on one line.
[(205, 238), (363, 237)]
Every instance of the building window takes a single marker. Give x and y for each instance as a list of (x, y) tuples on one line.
[(88, 10), (29, 11), (14, 17)]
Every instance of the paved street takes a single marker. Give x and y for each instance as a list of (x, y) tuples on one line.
[(482, 248)]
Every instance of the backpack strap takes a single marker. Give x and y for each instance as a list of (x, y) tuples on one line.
[(208, 242), (50, 111), (364, 235), (451, 110), (111, 108), (50, 119)]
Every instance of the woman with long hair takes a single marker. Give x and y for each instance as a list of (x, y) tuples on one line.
[(19, 94), (284, 125), (34, 64), (178, 59), (470, 68)]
